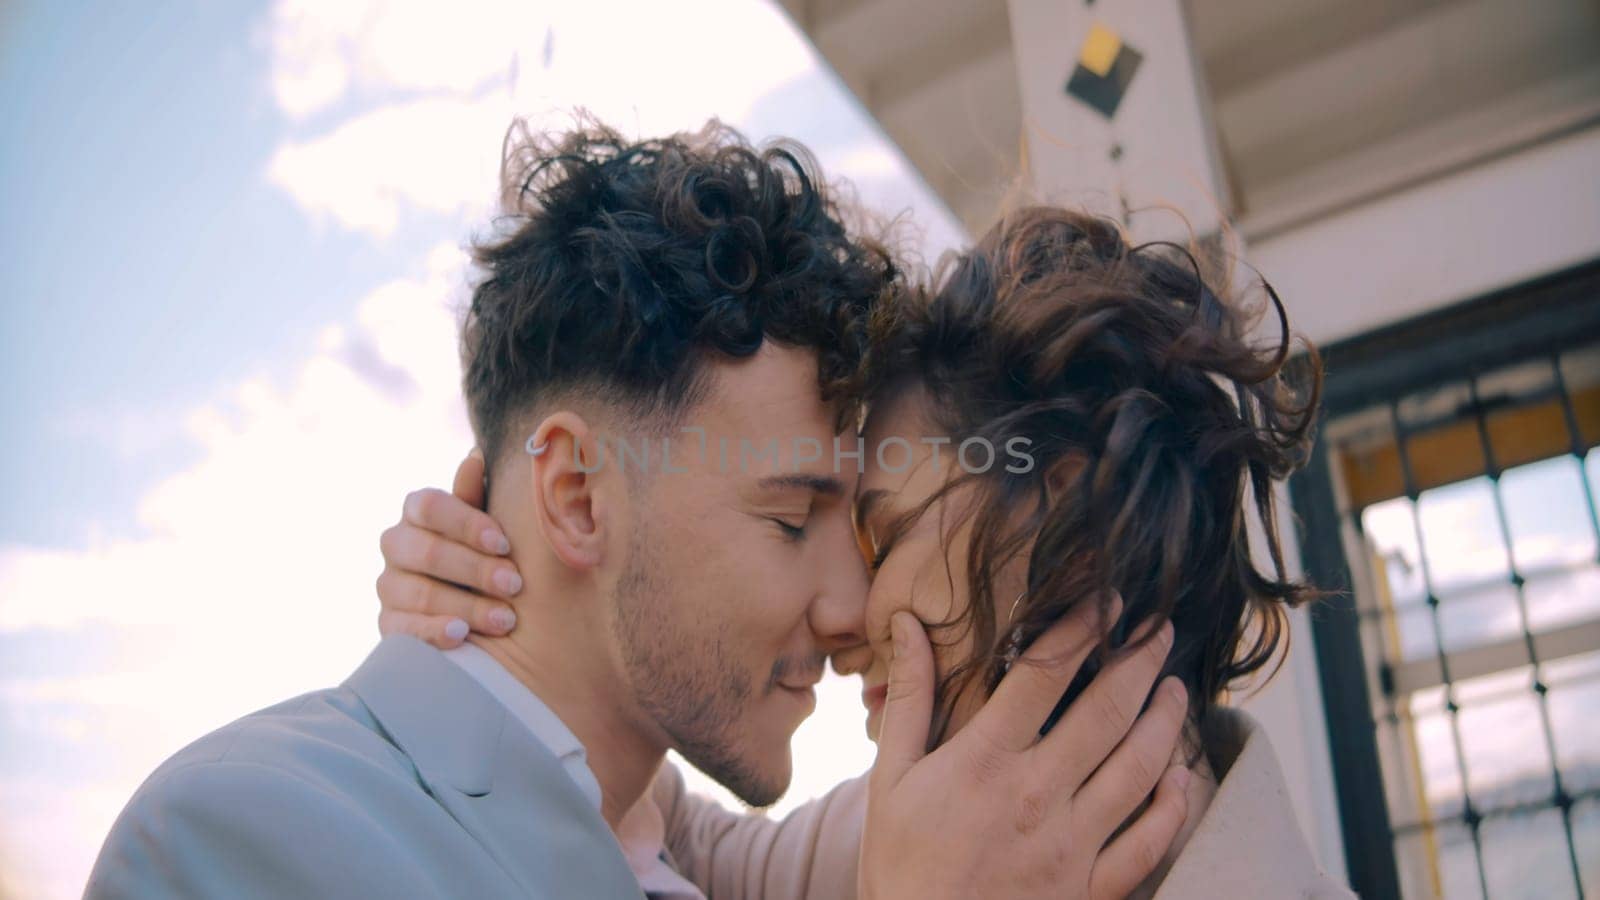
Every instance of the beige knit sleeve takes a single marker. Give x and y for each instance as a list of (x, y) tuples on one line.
[(811, 854)]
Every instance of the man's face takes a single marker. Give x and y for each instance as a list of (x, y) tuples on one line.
[(741, 574)]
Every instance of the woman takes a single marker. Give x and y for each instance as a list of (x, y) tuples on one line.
[(1151, 425)]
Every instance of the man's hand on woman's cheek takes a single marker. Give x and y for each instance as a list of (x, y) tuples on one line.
[(445, 565)]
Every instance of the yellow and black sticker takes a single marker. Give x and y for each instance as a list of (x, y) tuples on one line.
[(1105, 69)]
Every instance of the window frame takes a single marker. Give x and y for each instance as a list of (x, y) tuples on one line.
[(1540, 318)]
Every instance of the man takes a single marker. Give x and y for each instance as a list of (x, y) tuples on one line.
[(655, 360)]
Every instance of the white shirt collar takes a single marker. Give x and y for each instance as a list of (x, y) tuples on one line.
[(526, 707), (641, 832)]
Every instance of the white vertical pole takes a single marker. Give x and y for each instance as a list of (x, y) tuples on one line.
[(1155, 165), (1156, 154)]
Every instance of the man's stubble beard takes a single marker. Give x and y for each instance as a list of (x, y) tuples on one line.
[(684, 677)]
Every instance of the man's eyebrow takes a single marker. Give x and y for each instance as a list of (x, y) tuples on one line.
[(819, 484)]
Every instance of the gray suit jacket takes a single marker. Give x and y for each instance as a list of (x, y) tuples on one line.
[(409, 780)]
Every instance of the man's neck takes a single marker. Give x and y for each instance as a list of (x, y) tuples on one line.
[(623, 760)]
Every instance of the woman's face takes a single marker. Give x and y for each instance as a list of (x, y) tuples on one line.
[(924, 570)]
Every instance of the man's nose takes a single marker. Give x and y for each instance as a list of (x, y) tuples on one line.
[(838, 616)]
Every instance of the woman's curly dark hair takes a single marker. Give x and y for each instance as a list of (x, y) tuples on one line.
[(1133, 377), (619, 264)]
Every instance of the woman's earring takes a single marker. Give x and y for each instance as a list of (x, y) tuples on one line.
[(1014, 644)]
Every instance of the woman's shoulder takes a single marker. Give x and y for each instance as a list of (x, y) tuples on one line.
[(1248, 842)]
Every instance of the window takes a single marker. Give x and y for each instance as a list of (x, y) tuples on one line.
[(1454, 496)]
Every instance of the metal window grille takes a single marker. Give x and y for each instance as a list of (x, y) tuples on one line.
[(1454, 496)]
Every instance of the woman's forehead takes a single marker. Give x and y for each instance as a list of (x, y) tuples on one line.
[(903, 412), (902, 454)]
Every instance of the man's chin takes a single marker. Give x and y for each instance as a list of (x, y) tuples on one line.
[(753, 759), (756, 793), (757, 782), (763, 796), (769, 782)]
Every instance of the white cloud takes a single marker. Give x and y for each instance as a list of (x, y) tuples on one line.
[(433, 155), (429, 138), (317, 453), (323, 51)]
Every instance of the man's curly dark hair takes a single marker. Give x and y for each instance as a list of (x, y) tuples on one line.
[(619, 267)]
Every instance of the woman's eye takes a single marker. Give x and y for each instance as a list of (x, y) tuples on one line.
[(879, 555), (867, 543), (865, 546)]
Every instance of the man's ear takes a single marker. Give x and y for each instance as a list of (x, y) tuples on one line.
[(566, 473)]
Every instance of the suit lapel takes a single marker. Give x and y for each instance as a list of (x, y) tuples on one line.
[(491, 774)]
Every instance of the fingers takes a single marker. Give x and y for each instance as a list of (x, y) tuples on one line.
[(444, 632), (1100, 717), (1119, 786), (469, 484), (1135, 853), (1012, 717), (454, 518), (407, 592), (418, 549), (908, 710)]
